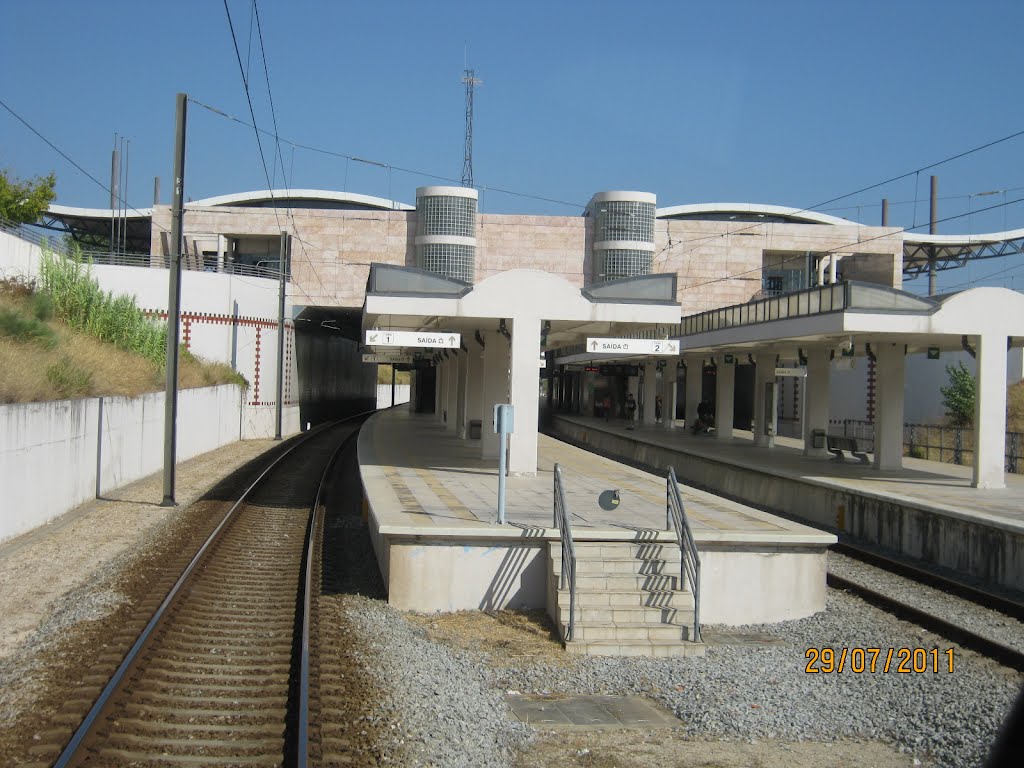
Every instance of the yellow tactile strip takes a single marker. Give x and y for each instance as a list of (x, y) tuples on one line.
[(445, 495), (410, 504)]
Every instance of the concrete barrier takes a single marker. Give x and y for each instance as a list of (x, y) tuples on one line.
[(57, 455)]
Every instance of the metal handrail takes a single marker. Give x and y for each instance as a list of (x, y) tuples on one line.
[(689, 559), (568, 550)]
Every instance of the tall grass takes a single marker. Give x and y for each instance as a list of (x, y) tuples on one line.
[(79, 302)]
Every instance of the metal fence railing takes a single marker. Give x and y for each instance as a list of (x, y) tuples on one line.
[(939, 442), (568, 577), (189, 261), (689, 559)]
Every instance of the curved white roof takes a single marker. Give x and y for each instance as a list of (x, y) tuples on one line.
[(912, 238), (242, 198), (71, 211), (797, 214)]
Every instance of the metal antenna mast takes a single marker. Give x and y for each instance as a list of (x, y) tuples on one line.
[(471, 80)]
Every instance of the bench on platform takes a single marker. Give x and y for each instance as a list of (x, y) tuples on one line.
[(839, 443)]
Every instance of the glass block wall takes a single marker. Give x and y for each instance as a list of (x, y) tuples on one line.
[(623, 244), (446, 231)]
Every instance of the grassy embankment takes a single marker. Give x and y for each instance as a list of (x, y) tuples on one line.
[(62, 337)]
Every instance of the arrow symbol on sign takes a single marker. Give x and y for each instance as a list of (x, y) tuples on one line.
[(671, 347), (452, 340), (373, 338), (593, 345)]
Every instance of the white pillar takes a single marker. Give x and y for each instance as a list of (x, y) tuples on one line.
[(451, 388), (495, 390), (816, 405), (765, 399), (725, 393), (889, 367), (522, 452), (990, 413), (650, 392), (475, 390), (461, 395), (669, 377), (694, 388), (222, 247)]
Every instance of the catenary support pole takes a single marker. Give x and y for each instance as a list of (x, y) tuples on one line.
[(283, 253), (174, 303), (933, 215)]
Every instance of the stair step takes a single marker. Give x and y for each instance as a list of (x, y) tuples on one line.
[(624, 549), (623, 582), (655, 648), (620, 565), (636, 614), (628, 632), (627, 598)]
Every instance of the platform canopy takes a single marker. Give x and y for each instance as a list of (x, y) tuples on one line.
[(505, 321)]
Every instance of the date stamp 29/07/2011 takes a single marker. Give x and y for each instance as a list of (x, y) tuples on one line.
[(901, 660)]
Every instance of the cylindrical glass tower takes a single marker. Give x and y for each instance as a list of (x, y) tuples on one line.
[(446, 231), (623, 234)]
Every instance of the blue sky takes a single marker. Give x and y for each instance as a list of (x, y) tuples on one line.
[(789, 103)]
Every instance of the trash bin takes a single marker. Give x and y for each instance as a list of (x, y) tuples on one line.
[(474, 429), (818, 438)]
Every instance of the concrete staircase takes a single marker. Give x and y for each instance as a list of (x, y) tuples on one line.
[(629, 601)]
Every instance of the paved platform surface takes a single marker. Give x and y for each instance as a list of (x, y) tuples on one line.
[(422, 479), (926, 484)]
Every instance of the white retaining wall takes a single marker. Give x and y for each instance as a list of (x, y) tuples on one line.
[(57, 455), (384, 395)]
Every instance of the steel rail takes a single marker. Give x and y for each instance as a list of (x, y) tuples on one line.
[(975, 595), (104, 700), (1005, 655), (302, 733)]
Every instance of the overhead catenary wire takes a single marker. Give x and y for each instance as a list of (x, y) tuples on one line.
[(916, 173)]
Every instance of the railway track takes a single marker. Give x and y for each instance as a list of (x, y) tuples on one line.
[(220, 674), (916, 610)]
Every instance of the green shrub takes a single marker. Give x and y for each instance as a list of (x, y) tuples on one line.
[(958, 397), (26, 329), (78, 300), (68, 379), (42, 306)]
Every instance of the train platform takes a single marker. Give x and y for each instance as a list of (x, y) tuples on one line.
[(432, 509), (927, 510)]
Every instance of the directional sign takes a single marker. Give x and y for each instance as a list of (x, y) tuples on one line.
[(388, 359), (790, 371), (633, 346), (385, 338)]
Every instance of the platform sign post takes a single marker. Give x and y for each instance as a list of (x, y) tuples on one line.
[(504, 425)]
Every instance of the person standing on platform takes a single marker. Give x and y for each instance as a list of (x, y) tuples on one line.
[(630, 411), (657, 409), (606, 406)]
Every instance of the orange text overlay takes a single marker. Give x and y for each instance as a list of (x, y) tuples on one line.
[(901, 660)]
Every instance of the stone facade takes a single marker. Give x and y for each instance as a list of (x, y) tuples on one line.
[(718, 262)]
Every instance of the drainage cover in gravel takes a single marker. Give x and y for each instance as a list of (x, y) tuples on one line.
[(582, 712)]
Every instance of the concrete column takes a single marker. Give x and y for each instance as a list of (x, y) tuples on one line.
[(889, 367), (725, 394), (475, 389), (222, 248), (452, 391), (495, 390), (817, 391), (413, 379), (462, 395), (669, 377), (694, 388), (522, 452), (765, 398), (650, 392), (990, 413)]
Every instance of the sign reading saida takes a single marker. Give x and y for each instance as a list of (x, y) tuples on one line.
[(435, 339), (633, 346)]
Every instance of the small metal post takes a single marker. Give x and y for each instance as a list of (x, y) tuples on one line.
[(174, 304), (885, 211)]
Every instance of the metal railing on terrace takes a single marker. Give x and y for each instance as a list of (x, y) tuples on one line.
[(819, 300), (190, 262)]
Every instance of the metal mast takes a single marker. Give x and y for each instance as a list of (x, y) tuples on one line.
[(471, 80)]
